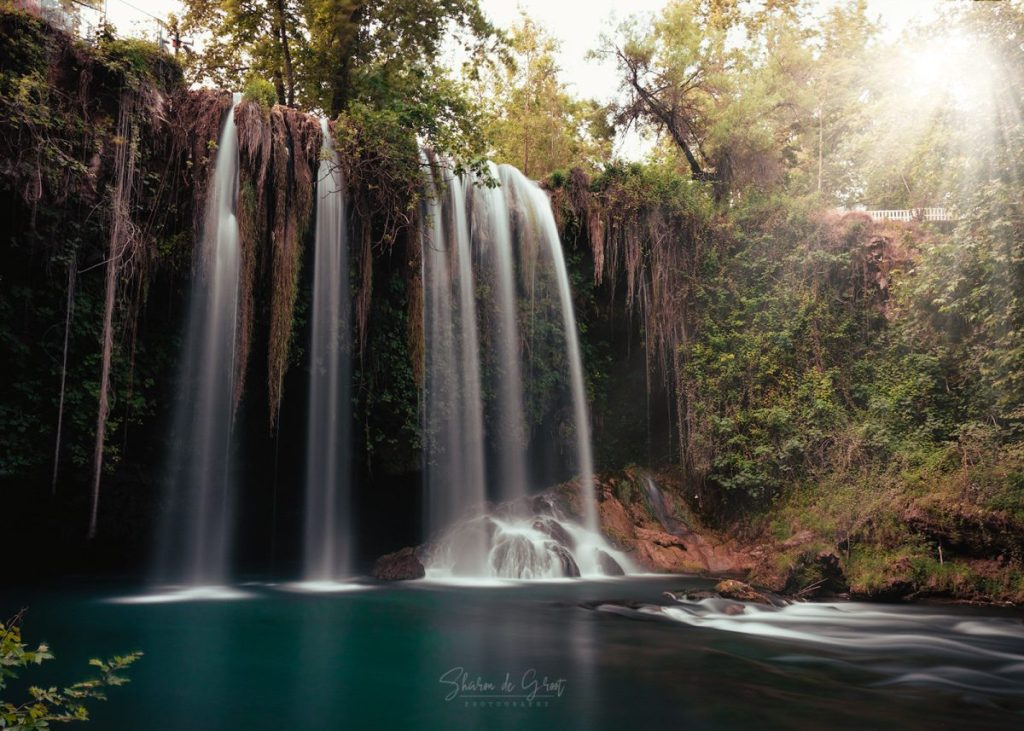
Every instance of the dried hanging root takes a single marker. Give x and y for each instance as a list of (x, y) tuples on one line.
[(69, 313), (655, 251), (254, 146), (296, 147), (122, 235)]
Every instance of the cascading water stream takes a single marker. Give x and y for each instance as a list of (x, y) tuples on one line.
[(328, 465), (472, 401), (453, 418), (490, 212), (540, 211), (519, 538), (197, 528)]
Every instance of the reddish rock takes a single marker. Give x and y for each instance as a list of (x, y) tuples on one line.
[(659, 538), (668, 559), (631, 528), (615, 522), (741, 592)]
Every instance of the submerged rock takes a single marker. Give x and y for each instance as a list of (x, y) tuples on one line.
[(518, 557), (692, 596), (401, 565), (541, 505)]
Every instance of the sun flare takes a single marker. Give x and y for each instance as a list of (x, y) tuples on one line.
[(954, 67)]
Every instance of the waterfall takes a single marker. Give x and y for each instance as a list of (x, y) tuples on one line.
[(519, 537), (453, 414), (492, 228), (198, 524), (537, 204), (328, 466)]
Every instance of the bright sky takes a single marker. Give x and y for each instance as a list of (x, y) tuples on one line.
[(578, 27)]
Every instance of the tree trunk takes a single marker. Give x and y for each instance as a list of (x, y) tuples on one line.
[(821, 143), (348, 42), (286, 54), (282, 98), (663, 115)]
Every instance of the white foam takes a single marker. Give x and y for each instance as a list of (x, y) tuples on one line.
[(505, 545), (324, 587), (853, 626), (186, 594)]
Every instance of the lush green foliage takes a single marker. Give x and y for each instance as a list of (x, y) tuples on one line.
[(260, 91), (844, 387), (386, 388), (780, 325), (50, 704), (57, 136)]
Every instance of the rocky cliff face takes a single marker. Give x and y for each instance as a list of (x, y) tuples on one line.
[(646, 517)]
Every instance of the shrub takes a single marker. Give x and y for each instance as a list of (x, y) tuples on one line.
[(261, 91), (50, 704)]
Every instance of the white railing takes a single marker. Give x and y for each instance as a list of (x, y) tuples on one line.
[(912, 214), (85, 22)]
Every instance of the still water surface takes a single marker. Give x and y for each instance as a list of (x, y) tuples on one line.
[(603, 655)]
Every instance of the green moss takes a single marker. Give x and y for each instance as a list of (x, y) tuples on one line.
[(944, 577), (627, 490), (1008, 495), (872, 570), (779, 529), (24, 44), (137, 59)]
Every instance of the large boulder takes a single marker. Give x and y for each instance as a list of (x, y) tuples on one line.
[(568, 563), (401, 565), (609, 566)]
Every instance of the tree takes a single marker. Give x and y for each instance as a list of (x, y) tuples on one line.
[(536, 124), (724, 80), (358, 48), (245, 38), (845, 61), (670, 73)]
